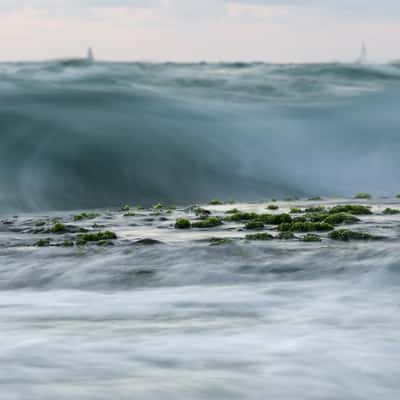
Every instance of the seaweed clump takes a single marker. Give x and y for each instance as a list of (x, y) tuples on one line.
[(43, 243), (273, 207), (346, 235), (182, 223), (255, 224), (215, 203), (296, 210), (287, 235), (310, 237), (305, 227), (210, 222), (259, 236), (219, 241), (58, 228), (341, 218), (354, 209), (82, 216), (391, 211), (102, 238), (363, 196)]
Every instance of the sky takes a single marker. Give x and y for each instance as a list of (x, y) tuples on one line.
[(200, 30)]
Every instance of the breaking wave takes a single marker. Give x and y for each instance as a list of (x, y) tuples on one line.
[(80, 135)]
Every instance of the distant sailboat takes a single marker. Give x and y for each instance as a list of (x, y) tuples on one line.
[(90, 55), (362, 59)]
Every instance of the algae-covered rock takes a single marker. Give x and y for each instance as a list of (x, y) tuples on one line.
[(305, 227), (232, 211), (219, 241), (391, 211), (210, 222), (275, 219), (316, 209), (216, 202), (125, 207), (286, 235), (84, 238), (254, 225), (82, 216), (182, 223), (346, 235), (43, 243), (58, 228), (148, 242), (354, 209), (158, 206), (310, 237), (315, 198), (201, 212), (259, 236), (273, 207), (363, 195), (129, 214), (296, 210), (341, 218)]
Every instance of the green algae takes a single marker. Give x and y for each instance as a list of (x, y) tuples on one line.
[(310, 237), (210, 222), (43, 243), (215, 203), (355, 209), (259, 236), (273, 207), (391, 211), (58, 228), (346, 235), (219, 241), (82, 216), (182, 223), (363, 196), (95, 237), (254, 225), (305, 227)]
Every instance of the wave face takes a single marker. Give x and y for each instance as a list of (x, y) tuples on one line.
[(79, 135)]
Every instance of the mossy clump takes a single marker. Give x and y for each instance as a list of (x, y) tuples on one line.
[(397, 196), (232, 211), (58, 228), (316, 209), (275, 219), (67, 243), (315, 198), (95, 237), (129, 214), (210, 222), (286, 235), (355, 209), (242, 216), (219, 241), (254, 225), (259, 236), (158, 206), (310, 237), (363, 196), (316, 217), (273, 207), (125, 207), (182, 223), (296, 210), (341, 218), (43, 243), (346, 235), (215, 203), (391, 211), (82, 216), (305, 227)]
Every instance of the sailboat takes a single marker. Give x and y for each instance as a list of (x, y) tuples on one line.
[(362, 59), (90, 55)]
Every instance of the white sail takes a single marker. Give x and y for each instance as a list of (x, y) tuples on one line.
[(90, 55), (362, 59)]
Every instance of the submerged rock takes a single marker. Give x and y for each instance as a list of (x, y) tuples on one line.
[(259, 236), (346, 235)]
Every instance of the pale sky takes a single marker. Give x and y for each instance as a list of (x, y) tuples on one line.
[(197, 30)]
